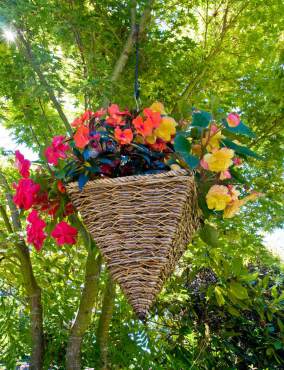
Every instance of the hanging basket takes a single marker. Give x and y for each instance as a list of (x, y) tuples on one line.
[(142, 225)]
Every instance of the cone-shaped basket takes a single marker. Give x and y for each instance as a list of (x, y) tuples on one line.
[(142, 225)]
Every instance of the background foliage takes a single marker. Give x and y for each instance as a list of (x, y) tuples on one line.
[(223, 308)]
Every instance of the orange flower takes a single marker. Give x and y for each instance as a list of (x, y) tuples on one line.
[(81, 137), (143, 128), (123, 136), (154, 117)]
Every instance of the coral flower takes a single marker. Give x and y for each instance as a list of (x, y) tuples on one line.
[(159, 146), (212, 138), (63, 233), (218, 197), (166, 129), (233, 119), (81, 137), (123, 136), (35, 233), (56, 150), (84, 117), (61, 187), (26, 192), (218, 161), (143, 128), (154, 117), (158, 107), (22, 164)]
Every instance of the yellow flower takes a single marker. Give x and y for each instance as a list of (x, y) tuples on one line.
[(214, 140), (166, 129), (235, 206), (218, 197), (158, 107), (220, 160), (151, 139)]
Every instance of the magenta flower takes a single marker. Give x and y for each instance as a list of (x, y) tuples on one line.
[(22, 164), (35, 233), (63, 233), (56, 150), (233, 119), (26, 193)]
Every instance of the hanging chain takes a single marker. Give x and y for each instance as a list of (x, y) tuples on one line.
[(136, 80)]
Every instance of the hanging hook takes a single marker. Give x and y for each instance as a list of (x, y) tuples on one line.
[(136, 80)]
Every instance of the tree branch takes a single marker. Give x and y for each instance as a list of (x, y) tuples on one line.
[(6, 219), (128, 46), (32, 59)]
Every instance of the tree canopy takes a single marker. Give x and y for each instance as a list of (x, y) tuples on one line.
[(223, 307)]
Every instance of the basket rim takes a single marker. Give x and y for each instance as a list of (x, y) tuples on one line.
[(128, 179)]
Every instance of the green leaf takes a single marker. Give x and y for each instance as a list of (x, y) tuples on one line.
[(181, 144), (238, 290), (241, 129), (233, 311), (209, 235), (243, 150), (219, 296), (201, 119), (191, 160)]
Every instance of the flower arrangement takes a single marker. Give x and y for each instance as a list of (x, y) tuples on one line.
[(113, 143)]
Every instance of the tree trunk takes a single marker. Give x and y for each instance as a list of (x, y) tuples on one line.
[(104, 323), (84, 315)]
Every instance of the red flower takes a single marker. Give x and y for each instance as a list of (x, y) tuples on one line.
[(81, 137), (61, 187), (116, 116), (68, 210), (143, 128), (123, 136), (56, 150), (159, 145), (99, 113), (22, 164), (35, 234), (26, 191), (154, 117), (86, 116), (64, 233)]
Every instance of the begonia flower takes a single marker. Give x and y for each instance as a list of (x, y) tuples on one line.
[(26, 191), (56, 150), (35, 233), (233, 119), (218, 197), (218, 161), (64, 233), (22, 164)]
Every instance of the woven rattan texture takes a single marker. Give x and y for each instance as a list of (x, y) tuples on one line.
[(142, 225)]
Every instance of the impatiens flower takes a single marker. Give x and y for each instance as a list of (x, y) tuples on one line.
[(84, 117), (233, 119), (154, 118), (159, 146), (166, 129), (61, 187), (212, 138), (143, 128), (56, 150), (63, 233), (123, 136), (82, 137), (99, 113), (218, 161), (26, 191), (35, 233), (116, 116), (158, 107), (218, 197), (22, 164)]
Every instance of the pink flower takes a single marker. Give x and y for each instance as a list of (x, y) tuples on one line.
[(22, 164), (26, 193), (35, 233), (233, 119), (56, 150), (225, 175), (237, 161), (63, 233)]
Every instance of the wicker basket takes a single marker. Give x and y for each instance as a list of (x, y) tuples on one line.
[(142, 225)]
